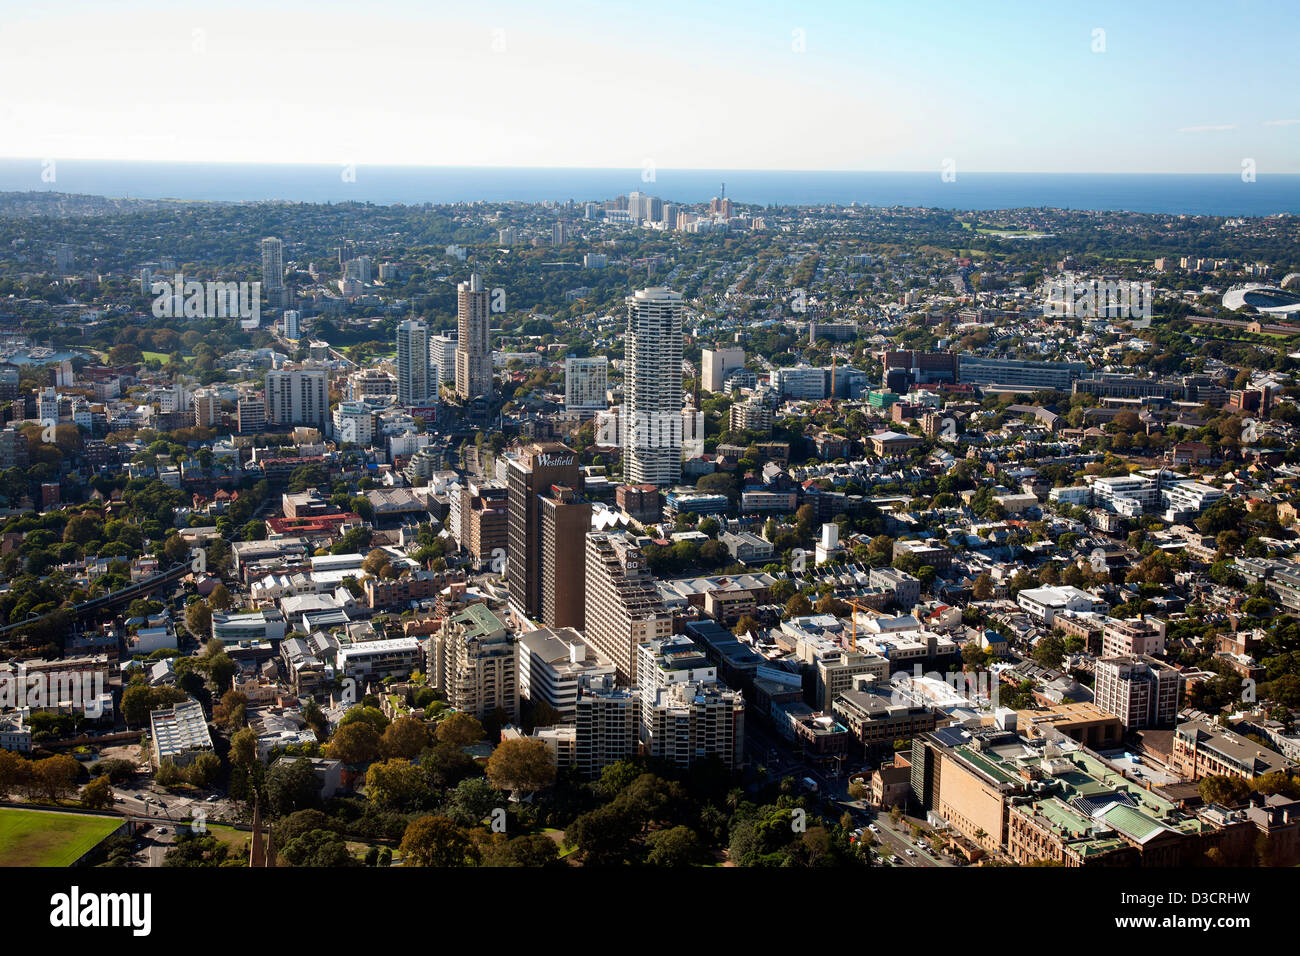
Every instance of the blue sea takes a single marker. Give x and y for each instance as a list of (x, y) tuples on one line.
[(1195, 194)]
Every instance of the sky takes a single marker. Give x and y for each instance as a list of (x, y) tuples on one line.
[(1139, 86)]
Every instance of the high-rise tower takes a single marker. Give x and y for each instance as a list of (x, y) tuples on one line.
[(473, 351), (652, 428)]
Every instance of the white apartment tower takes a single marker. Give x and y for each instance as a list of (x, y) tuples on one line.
[(413, 378), (297, 396), (272, 264), (652, 428), (442, 361), (585, 383)]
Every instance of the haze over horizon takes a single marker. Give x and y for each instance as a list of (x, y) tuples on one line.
[(728, 86)]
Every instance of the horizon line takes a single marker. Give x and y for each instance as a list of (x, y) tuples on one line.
[(632, 169)]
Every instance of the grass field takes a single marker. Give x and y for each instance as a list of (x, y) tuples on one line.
[(38, 838)]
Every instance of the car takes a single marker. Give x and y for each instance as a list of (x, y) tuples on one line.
[(211, 799), (119, 799), (873, 828), (162, 829), (911, 852)]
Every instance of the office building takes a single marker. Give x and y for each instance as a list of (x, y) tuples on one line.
[(903, 369), (652, 427), (354, 423), (1131, 638), (690, 721), (1017, 373), (366, 661), (484, 529), (565, 520), (1141, 691), (292, 324), (751, 417), (1204, 749), (716, 363), (555, 665), (535, 559), (368, 383), (178, 734)]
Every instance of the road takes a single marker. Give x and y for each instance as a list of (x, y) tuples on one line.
[(764, 746)]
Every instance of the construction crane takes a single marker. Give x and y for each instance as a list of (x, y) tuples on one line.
[(857, 606)]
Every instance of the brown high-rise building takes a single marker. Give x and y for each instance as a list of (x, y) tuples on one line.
[(531, 478), (565, 520), (485, 524)]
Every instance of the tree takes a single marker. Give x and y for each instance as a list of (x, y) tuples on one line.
[(231, 712), (1050, 651), (396, 784), (678, 846), (204, 770), (606, 836), (55, 777), (97, 795), (521, 764), (243, 748), (982, 588), (114, 769), (355, 743), (472, 800), (973, 655), (139, 700), (798, 606), (198, 619), (377, 563), (437, 841), (405, 737), (297, 823), (532, 850), (318, 848), (1223, 790), (220, 598), (291, 785), (370, 715), (460, 730)]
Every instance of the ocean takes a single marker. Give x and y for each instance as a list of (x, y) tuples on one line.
[(1193, 194)]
